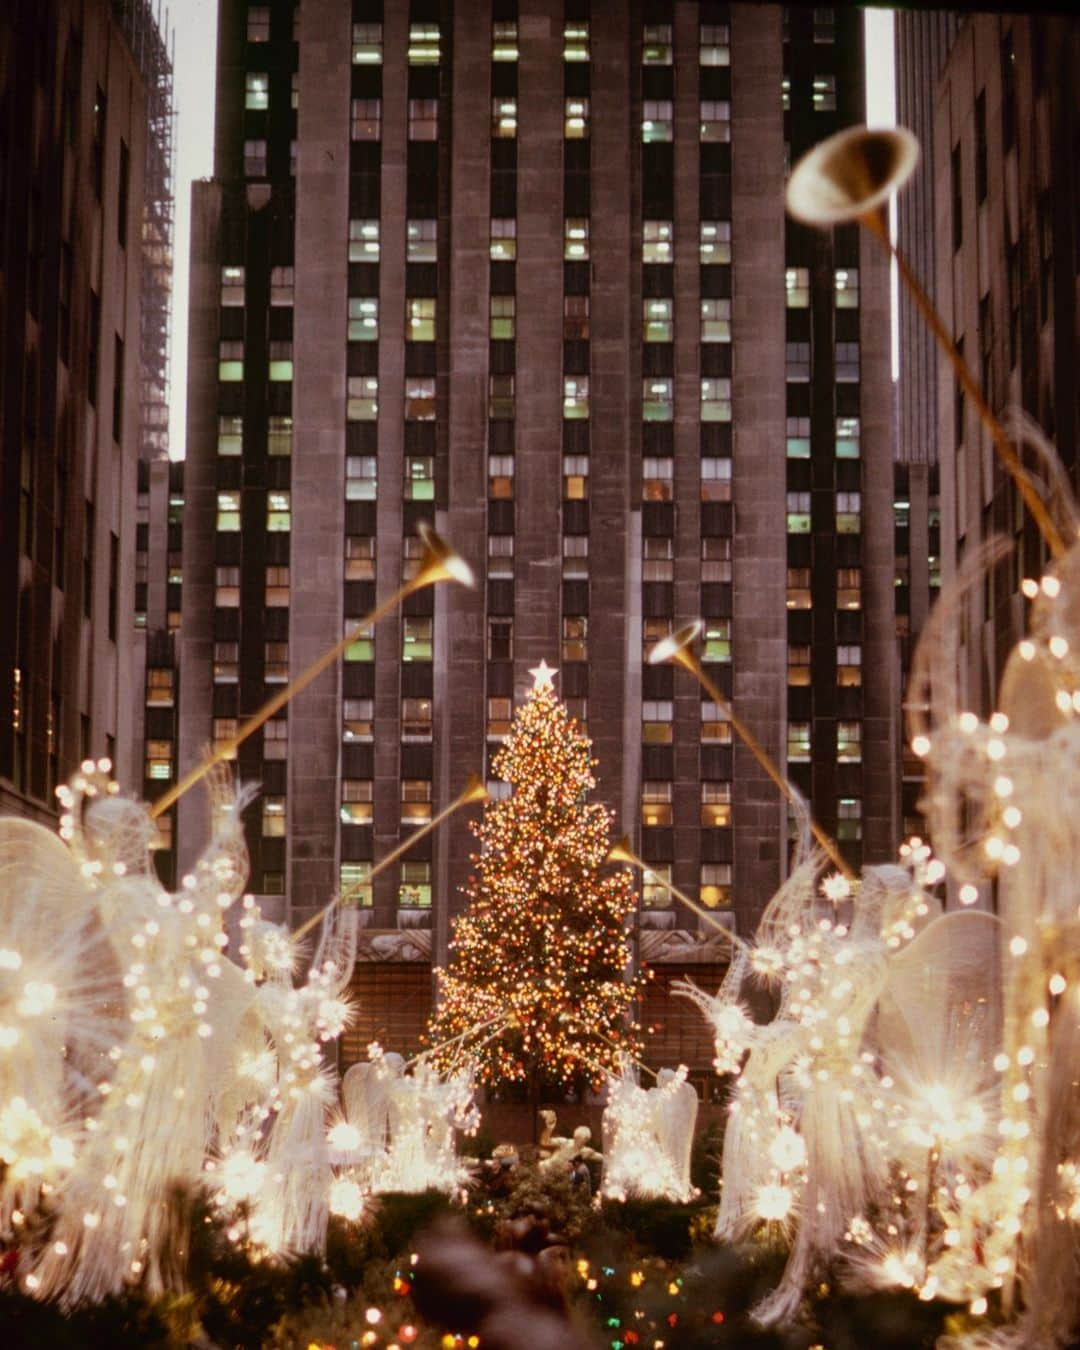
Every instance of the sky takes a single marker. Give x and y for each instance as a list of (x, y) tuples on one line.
[(194, 25)]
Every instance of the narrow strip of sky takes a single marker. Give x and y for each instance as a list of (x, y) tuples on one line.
[(881, 112)]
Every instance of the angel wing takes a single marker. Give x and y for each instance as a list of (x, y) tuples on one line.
[(675, 1119), (335, 956), (363, 1094)]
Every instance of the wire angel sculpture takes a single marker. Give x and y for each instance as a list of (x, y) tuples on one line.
[(648, 1135)]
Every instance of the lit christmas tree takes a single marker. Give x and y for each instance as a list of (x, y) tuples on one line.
[(538, 982)]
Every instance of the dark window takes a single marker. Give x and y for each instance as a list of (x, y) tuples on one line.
[(65, 303), (93, 363), (97, 149), (88, 561), (122, 195), (1046, 258), (980, 149), (114, 583), (958, 404), (1014, 303), (1008, 94), (118, 389), (957, 199)]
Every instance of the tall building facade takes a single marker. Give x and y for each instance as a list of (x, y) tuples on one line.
[(523, 270), (74, 134)]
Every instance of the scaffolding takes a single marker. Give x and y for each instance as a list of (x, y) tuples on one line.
[(153, 47)]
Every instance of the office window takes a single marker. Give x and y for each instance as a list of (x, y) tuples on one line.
[(277, 587), (824, 93), (847, 438), (576, 119), (576, 238), (414, 886), (503, 238), (276, 662), (716, 640), (797, 362), (423, 119), (825, 24), (575, 318), (282, 285), (715, 120), (357, 801), (656, 241), (652, 632), (716, 400), (123, 194), (798, 588), (228, 511), (848, 819), (416, 719), (797, 287), (848, 588), (419, 479), (278, 512), (715, 479), (357, 720), (714, 44), (797, 441), (798, 513), (223, 733), (273, 817), (416, 639), (230, 441), (232, 287), (798, 742), (849, 665), (504, 118), (656, 120), (657, 558), (353, 882), (716, 320), (363, 241), (657, 400), (359, 557), (657, 325), (655, 803), (716, 559), (657, 480), (715, 242), (294, 90), (715, 889), (423, 44), (281, 363), (415, 801), (226, 662), (159, 687), (158, 760), (847, 288), (230, 362), (715, 723), (367, 44), (798, 665), (258, 23), (957, 185), (363, 319), (575, 477), (575, 397), (500, 638), (848, 512), (500, 716), (421, 241), (575, 637), (500, 555), (576, 41), (504, 40), (276, 739), (500, 397), (656, 716), (361, 480), (362, 402), (255, 159), (501, 477), (420, 319), (656, 44), (366, 119), (849, 742), (716, 804), (847, 362), (575, 554), (503, 314), (654, 893)]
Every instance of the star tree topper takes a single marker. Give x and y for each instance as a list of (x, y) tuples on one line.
[(543, 675)]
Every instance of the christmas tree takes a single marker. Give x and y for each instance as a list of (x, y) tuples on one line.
[(538, 983)]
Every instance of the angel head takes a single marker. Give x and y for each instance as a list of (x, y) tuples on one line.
[(269, 951)]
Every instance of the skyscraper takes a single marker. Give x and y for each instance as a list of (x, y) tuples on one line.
[(523, 270)]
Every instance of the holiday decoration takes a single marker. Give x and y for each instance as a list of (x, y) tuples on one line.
[(543, 944), (648, 1135)]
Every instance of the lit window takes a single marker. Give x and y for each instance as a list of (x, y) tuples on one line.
[(423, 119), (716, 320), (223, 733), (353, 882), (500, 716), (656, 715), (276, 662), (359, 557), (366, 119), (503, 239), (232, 286), (228, 511), (501, 477), (361, 478), (716, 559), (421, 240), (362, 403), (363, 241), (848, 512), (798, 513), (414, 886), (654, 893), (415, 801), (798, 666), (362, 646), (363, 319), (715, 241), (576, 41), (797, 442), (504, 118), (785, 104), (847, 362), (715, 889), (278, 512), (658, 558), (656, 44), (716, 400), (656, 237), (575, 318), (159, 687), (500, 555), (416, 718), (500, 397), (848, 820), (503, 311), (716, 640), (655, 803), (849, 588), (657, 480), (849, 742), (824, 93), (281, 364), (575, 397), (277, 587), (798, 588), (282, 285), (656, 120), (273, 817), (715, 722), (575, 552), (419, 479), (255, 159), (715, 120), (423, 44), (357, 801), (504, 41), (500, 638), (656, 323), (294, 90), (797, 362), (576, 239), (367, 44), (258, 23), (849, 665), (714, 44), (715, 479), (798, 742), (276, 739), (652, 632), (847, 288), (158, 760), (716, 804), (657, 399), (358, 719), (230, 362), (226, 662), (575, 477), (797, 287), (576, 119), (230, 439), (847, 438), (575, 637), (420, 319)]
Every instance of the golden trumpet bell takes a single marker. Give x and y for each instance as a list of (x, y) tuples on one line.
[(439, 561), (673, 646), (851, 175)]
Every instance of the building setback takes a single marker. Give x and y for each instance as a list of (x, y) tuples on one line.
[(523, 270)]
